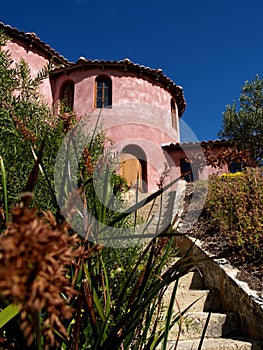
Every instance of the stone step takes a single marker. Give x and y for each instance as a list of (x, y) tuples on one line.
[(192, 280), (217, 344), (193, 324), (199, 297)]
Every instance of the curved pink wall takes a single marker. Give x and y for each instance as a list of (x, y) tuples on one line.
[(126, 87), (36, 62), (140, 113), (141, 107)]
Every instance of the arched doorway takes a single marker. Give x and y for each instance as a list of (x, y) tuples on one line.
[(66, 96), (134, 166)]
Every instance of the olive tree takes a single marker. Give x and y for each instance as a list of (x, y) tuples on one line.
[(243, 125)]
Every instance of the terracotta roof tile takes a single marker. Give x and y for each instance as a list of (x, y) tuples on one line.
[(82, 62), (213, 143), (32, 39), (126, 64)]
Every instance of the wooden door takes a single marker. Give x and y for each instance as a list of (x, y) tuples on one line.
[(131, 169)]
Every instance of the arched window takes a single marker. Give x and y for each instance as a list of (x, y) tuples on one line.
[(103, 92), (173, 112), (67, 96)]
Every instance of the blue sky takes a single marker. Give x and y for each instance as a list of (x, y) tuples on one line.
[(210, 48)]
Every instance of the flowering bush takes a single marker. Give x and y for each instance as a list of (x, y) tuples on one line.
[(238, 173), (235, 208)]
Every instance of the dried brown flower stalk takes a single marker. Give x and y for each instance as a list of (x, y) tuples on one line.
[(68, 120), (87, 159), (27, 134), (34, 257)]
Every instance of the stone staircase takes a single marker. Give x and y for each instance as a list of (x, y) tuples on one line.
[(222, 332), (223, 329)]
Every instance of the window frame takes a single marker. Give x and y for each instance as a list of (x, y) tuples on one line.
[(106, 87)]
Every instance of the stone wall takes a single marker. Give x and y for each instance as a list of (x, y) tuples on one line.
[(234, 295)]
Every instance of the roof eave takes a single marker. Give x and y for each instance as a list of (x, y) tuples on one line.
[(32, 40), (155, 74)]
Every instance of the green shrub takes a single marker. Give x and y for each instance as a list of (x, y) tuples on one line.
[(25, 121), (234, 207)]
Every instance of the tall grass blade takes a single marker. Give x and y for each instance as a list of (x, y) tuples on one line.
[(123, 291), (206, 325), (38, 329), (44, 172), (136, 199), (175, 320), (140, 204), (102, 205), (89, 301), (95, 130), (2, 168), (169, 316), (8, 313), (106, 287), (32, 178), (95, 296)]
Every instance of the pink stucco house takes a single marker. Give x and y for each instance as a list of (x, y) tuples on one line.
[(139, 107)]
